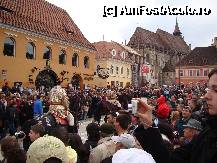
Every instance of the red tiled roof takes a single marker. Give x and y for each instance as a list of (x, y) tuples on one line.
[(144, 37), (200, 56), (173, 42), (44, 18), (104, 50), (160, 40)]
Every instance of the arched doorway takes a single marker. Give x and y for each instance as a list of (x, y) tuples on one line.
[(77, 81), (46, 78)]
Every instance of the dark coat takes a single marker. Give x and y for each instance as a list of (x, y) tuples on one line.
[(203, 149), (151, 141)]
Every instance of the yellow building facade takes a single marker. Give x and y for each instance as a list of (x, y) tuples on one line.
[(112, 60), (69, 62)]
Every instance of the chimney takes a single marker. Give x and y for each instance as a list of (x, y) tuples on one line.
[(125, 42), (189, 47)]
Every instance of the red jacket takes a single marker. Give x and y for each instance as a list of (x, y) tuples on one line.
[(163, 110)]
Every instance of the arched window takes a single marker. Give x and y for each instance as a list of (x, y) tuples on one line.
[(123, 55), (122, 70), (62, 57), (75, 60), (47, 53), (30, 50), (9, 47), (86, 62), (128, 72), (113, 52)]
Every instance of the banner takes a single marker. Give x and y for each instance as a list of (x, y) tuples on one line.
[(144, 69)]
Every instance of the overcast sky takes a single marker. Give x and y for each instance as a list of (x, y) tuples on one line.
[(88, 15)]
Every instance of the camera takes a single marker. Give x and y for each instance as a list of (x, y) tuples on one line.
[(134, 103), (20, 135)]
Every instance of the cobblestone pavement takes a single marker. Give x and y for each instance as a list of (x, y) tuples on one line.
[(82, 127)]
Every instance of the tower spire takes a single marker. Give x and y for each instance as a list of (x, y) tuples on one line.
[(177, 30)]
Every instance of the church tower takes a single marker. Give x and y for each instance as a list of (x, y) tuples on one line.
[(177, 30)]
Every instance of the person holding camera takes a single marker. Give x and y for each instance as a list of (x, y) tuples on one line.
[(202, 149)]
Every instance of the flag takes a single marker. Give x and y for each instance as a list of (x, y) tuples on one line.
[(144, 69)]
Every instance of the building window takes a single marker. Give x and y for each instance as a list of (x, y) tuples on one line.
[(62, 57), (9, 47), (30, 50), (123, 55), (75, 60), (205, 72), (47, 53), (112, 69), (117, 83), (121, 84), (190, 73), (181, 73), (122, 70), (117, 70), (128, 72), (198, 73), (86, 62), (113, 52), (112, 83)]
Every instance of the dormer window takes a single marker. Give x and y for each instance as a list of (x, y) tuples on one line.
[(123, 55), (69, 29), (4, 9), (113, 52)]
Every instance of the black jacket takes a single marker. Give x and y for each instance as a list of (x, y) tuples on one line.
[(203, 149), (151, 141)]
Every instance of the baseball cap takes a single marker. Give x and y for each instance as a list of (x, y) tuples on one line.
[(46, 147), (126, 139)]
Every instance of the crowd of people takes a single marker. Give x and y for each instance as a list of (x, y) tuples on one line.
[(175, 124)]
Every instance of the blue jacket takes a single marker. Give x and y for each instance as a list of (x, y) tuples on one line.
[(38, 109)]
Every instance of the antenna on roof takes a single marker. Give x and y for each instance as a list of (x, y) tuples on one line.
[(103, 37)]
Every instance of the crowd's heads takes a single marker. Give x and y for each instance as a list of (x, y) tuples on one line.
[(111, 117), (45, 148), (36, 131), (107, 129), (186, 112), (93, 131), (122, 122), (124, 141), (11, 150), (194, 124)]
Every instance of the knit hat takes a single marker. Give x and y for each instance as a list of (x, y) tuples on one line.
[(107, 128), (126, 139), (46, 147), (132, 155)]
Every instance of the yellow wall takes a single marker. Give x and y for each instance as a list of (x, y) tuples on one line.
[(19, 68), (106, 63)]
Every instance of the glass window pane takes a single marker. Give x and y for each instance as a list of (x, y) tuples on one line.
[(47, 53), (9, 45), (30, 51)]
